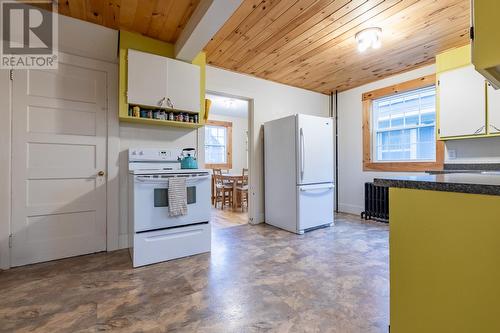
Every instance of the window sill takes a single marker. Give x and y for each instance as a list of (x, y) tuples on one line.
[(226, 166), (403, 166)]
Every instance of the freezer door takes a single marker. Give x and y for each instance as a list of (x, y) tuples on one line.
[(314, 150), (314, 205)]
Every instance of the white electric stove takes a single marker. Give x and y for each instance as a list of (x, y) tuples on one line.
[(154, 235)]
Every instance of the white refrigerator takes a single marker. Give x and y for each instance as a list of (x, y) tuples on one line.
[(298, 172)]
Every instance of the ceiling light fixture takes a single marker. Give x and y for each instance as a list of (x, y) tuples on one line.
[(370, 37)]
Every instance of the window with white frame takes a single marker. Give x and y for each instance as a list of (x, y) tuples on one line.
[(404, 126), (218, 144)]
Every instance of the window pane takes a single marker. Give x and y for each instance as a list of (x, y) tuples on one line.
[(426, 151), (215, 144), (397, 121), (404, 126), (384, 123), (411, 119)]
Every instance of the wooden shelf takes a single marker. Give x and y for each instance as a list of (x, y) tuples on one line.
[(157, 108), (159, 122)]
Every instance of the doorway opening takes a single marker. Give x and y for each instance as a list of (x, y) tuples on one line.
[(226, 154)]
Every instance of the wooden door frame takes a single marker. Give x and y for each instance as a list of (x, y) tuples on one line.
[(5, 167), (253, 217)]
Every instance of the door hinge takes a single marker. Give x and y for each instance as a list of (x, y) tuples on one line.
[(439, 131), (10, 241), (11, 74), (439, 82), (471, 33)]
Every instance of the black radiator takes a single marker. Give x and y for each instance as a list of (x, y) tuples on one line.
[(376, 203)]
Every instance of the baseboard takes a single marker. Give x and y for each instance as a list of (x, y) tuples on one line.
[(350, 209), (258, 219)]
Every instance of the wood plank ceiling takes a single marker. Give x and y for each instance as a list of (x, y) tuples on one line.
[(310, 43), (159, 19)]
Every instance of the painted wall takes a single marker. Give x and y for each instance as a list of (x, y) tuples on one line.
[(478, 150), (351, 174), (240, 148), (269, 101)]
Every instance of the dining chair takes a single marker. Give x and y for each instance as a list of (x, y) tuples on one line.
[(242, 190), (223, 192)]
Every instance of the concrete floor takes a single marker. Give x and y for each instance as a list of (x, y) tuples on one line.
[(256, 279)]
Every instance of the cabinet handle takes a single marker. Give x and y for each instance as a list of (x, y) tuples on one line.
[(170, 104), (479, 129), (160, 103), (495, 128), (166, 101)]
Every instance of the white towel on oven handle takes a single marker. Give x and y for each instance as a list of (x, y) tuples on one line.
[(177, 196)]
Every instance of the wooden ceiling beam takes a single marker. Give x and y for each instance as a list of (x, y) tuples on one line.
[(207, 19)]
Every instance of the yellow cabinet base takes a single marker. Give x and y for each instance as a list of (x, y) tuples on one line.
[(444, 262)]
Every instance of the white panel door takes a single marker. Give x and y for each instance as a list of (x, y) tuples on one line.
[(315, 150), (493, 109), (147, 78), (462, 102), (183, 85), (59, 149)]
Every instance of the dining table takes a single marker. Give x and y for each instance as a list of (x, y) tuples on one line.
[(230, 178)]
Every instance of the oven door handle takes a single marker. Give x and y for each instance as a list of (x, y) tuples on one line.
[(164, 181)]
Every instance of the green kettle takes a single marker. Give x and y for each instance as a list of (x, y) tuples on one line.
[(188, 159)]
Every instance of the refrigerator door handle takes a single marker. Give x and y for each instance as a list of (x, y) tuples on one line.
[(302, 153), (317, 187)]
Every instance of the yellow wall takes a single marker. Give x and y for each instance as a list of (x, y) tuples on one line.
[(444, 262), (129, 40), (454, 58)]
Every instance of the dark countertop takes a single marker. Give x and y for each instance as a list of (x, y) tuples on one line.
[(474, 183)]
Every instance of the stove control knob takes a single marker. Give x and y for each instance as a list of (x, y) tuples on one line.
[(134, 152), (141, 153)]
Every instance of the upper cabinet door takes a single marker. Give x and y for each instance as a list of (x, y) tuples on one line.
[(147, 78), (485, 45), (183, 84), (493, 110), (462, 103)]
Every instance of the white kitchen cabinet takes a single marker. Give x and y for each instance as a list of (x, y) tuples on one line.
[(183, 85), (462, 103), (493, 109), (153, 79), (147, 78)]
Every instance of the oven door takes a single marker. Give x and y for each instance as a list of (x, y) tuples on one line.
[(150, 201)]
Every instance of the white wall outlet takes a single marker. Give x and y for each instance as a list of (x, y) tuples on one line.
[(452, 154)]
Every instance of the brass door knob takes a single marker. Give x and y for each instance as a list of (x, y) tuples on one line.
[(100, 173)]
